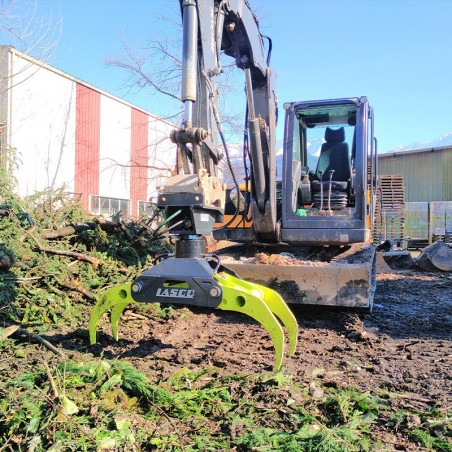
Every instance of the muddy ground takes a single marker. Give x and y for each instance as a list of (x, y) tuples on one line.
[(404, 346)]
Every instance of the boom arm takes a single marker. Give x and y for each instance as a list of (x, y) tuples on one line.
[(209, 27)]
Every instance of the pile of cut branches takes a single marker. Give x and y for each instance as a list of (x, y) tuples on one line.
[(55, 258)]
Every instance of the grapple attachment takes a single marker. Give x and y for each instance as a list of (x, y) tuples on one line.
[(262, 304)]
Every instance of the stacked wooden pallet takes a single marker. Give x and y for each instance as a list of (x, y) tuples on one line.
[(446, 237), (389, 209)]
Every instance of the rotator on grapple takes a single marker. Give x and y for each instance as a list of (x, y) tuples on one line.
[(194, 199)]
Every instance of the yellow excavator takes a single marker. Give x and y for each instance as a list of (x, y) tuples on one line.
[(301, 219)]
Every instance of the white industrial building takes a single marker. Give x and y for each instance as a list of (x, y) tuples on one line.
[(62, 131)]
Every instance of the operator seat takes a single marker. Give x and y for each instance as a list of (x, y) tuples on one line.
[(333, 138), (334, 155)]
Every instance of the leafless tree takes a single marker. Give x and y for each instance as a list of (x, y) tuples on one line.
[(155, 68), (28, 29)]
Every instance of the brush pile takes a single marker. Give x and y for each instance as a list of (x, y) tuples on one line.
[(55, 259)]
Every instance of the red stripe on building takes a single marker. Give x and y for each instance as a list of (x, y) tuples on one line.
[(138, 159), (87, 143)]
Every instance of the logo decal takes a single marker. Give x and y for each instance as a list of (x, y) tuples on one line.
[(175, 293)]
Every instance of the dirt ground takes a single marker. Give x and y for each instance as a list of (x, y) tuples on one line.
[(404, 346)]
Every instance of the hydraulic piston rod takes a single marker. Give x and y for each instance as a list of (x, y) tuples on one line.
[(189, 59)]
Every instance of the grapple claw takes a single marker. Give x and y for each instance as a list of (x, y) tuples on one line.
[(261, 304), (118, 298), (115, 315), (278, 307)]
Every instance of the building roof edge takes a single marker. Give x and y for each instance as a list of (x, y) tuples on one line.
[(415, 151), (51, 68)]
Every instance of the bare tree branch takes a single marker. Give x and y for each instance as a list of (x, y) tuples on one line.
[(165, 68), (155, 66), (133, 164), (30, 32), (34, 34)]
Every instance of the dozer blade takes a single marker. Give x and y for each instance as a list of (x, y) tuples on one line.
[(117, 298), (262, 304)]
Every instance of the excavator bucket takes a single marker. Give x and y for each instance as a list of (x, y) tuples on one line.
[(260, 303), (347, 279)]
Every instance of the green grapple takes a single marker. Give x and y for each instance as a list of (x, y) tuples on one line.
[(221, 290)]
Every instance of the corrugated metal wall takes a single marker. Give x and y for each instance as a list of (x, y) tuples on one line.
[(68, 133), (87, 143), (447, 175), (427, 174)]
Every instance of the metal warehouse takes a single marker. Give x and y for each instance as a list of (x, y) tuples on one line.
[(65, 132), (427, 175)]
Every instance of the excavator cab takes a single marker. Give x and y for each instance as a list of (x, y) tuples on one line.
[(326, 191), (328, 172)]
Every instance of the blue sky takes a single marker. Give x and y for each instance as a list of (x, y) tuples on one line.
[(398, 53)]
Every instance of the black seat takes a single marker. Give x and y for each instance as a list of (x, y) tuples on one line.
[(333, 138), (333, 156)]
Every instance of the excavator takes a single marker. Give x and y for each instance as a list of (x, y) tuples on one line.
[(299, 222)]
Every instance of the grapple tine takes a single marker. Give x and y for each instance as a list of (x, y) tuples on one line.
[(238, 297), (115, 315), (278, 306), (118, 298)]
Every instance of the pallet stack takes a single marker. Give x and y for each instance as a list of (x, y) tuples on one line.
[(389, 209)]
